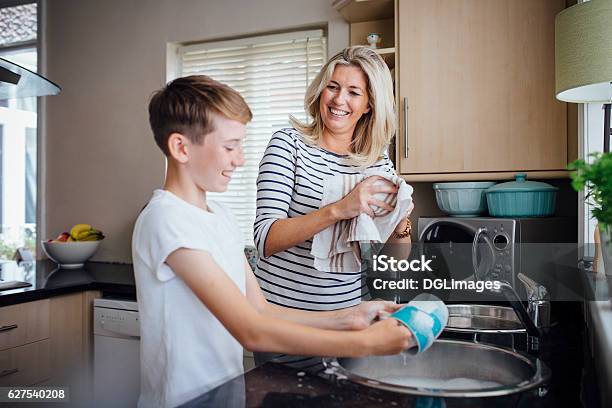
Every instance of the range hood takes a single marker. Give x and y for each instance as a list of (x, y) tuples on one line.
[(19, 82)]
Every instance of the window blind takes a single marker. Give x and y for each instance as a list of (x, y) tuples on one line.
[(272, 73)]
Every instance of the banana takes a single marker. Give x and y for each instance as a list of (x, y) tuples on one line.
[(78, 229), (95, 231), (93, 235), (85, 232)]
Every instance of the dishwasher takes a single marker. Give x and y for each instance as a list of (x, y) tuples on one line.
[(116, 353)]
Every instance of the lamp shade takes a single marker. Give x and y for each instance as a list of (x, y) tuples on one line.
[(583, 52)]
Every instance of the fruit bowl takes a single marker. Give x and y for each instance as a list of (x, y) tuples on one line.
[(70, 255)]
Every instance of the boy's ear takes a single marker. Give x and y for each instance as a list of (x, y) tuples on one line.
[(177, 147)]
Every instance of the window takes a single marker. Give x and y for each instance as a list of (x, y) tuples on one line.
[(271, 73), (593, 142), (30, 176), (18, 141)]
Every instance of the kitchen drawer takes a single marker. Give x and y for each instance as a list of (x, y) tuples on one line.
[(25, 365), (24, 323)]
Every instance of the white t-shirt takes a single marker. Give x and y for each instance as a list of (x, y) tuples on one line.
[(185, 350)]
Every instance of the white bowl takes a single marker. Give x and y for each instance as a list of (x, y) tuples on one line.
[(70, 254), (462, 199)]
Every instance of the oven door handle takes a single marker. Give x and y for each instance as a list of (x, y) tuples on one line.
[(481, 231)]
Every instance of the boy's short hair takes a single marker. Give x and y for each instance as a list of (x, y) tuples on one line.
[(186, 105)]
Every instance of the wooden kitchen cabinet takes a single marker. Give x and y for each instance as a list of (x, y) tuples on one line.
[(24, 323), (371, 16), (69, 336), (48, 342), (26, 365), (476, 85), (24, 343)]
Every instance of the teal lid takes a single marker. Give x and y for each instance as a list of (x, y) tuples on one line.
[(521, 185)]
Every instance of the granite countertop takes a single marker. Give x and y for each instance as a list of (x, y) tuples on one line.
[(274, 385), (48, 280)]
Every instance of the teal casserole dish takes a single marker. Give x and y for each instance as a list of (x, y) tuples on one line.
[(521, 198)]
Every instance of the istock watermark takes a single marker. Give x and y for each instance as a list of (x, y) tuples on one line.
[(464, 272), (384, 263), (439, 284)]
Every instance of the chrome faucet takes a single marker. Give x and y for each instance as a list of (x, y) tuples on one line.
[(538, 301), (537, 315)]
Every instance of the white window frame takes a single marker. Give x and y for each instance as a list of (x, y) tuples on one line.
[(591, 118), (36, 44)]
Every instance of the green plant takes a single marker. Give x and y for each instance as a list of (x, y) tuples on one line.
[(7, 250), (596, 177), (20, 236)]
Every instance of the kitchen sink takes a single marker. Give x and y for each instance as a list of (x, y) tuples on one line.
[(450, 368), (482, 319)]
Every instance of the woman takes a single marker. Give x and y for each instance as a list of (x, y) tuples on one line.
[(352, 105)]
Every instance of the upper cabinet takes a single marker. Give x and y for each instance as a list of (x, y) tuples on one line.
[(475, 83), (371, 16)]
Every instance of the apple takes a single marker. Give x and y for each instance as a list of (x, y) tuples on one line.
[(63, 237)]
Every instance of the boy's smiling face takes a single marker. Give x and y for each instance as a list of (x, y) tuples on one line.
[(213, 162)]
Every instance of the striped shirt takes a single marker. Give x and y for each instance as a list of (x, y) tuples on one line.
[(290, 184)]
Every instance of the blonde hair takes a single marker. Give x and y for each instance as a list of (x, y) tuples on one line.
[(374, 129)]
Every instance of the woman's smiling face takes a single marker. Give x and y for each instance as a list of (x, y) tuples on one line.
[(344, 100)]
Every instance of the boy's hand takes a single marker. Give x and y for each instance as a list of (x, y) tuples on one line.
[(387, 337), (363, 315)]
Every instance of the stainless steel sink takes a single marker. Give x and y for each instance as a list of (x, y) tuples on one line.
[(483, 319), (450, 368)]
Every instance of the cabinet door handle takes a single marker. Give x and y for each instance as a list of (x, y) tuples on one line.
[(8, 327), (5, 373), (405, 127)]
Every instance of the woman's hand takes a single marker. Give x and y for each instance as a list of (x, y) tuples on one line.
[(361, 198), (361, 316)]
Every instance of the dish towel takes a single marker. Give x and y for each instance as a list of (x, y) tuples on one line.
[(336, 248)]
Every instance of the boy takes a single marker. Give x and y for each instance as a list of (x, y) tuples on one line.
[(199, 300)]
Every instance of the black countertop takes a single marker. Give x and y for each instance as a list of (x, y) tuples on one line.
[(274, 385), (572, 382), (48, 280), (279, 386)]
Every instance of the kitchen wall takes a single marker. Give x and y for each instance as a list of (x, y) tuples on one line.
[(101, 163)]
